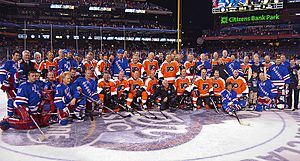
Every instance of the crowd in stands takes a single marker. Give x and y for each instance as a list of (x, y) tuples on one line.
[(257, 30)]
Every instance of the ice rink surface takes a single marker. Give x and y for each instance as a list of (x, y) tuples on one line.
[(185, 135)]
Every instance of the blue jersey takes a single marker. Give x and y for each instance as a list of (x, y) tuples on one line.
[(231, 66), (89, 88), (28, 94), (66, 64), (63, 95), (206, 64), (267, 89), (9, 71), (40, 83), (279, 74), (120, 65), (50, 86), (229, 96)]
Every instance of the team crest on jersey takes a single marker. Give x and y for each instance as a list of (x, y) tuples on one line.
[(135, 86), (215, 85), (133, 69), (204, 86), (183, 85), (151, 67), (235, 85), (170, 69)]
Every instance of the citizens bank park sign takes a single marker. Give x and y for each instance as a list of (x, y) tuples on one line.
[(234, 19)]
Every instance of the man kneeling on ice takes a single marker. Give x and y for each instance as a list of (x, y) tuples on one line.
[(27, 107), (230, 101)]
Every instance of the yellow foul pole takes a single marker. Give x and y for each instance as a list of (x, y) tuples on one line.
[(178, 25)]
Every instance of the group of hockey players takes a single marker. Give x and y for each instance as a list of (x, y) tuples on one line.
[(51, 90)]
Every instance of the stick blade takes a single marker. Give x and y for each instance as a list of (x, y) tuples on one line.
[(245, 123), (42, 138)]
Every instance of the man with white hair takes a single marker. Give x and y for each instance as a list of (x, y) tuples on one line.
[(25, 66), (37, 59)]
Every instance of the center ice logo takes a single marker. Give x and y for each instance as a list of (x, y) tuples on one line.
[(135, 133)]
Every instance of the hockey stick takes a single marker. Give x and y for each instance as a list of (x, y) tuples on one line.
[(216, 108), (240, 121), (144, 110), (43, 136), (109, 109)]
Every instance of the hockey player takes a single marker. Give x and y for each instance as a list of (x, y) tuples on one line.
[(37, 59), (51, 82), (233, 65), (215, 59), (88, 87), (120, 64), (204, 63), (150, 83), (169, 70), (218, 85), (188, 64), (107, 90), (280, 77), (137, 95), (61, 55), (204, 87), (267, 92), (150, 64), (245, 68), (9, 80), (225, 57), (267, 63), (253, 90), (167, 95), (103, 66), (181, 83), (239, 83), (230, 101), (65, 64), (122, 86), (48, 65), (90, 63), (135, 66), (25, 66), (65, 96), (27, 104), (256, 66)]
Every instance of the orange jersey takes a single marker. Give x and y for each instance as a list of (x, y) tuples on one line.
[(150, 65), (36, 65), (204, 86), (150, 85), (89, 64), (245, 68), (214, 62), (239, 85), (181, 84), (267, 65), (169, 71), (226, 60), (102, 66), (134, 85), (107, 85), (135, 67), (50, 66), (218, 85), (187, 65), (121, 86)]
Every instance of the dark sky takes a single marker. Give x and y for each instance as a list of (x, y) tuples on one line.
[(195, 13), (196, 16)]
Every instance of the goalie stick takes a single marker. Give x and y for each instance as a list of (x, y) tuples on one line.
[(43, 136)]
